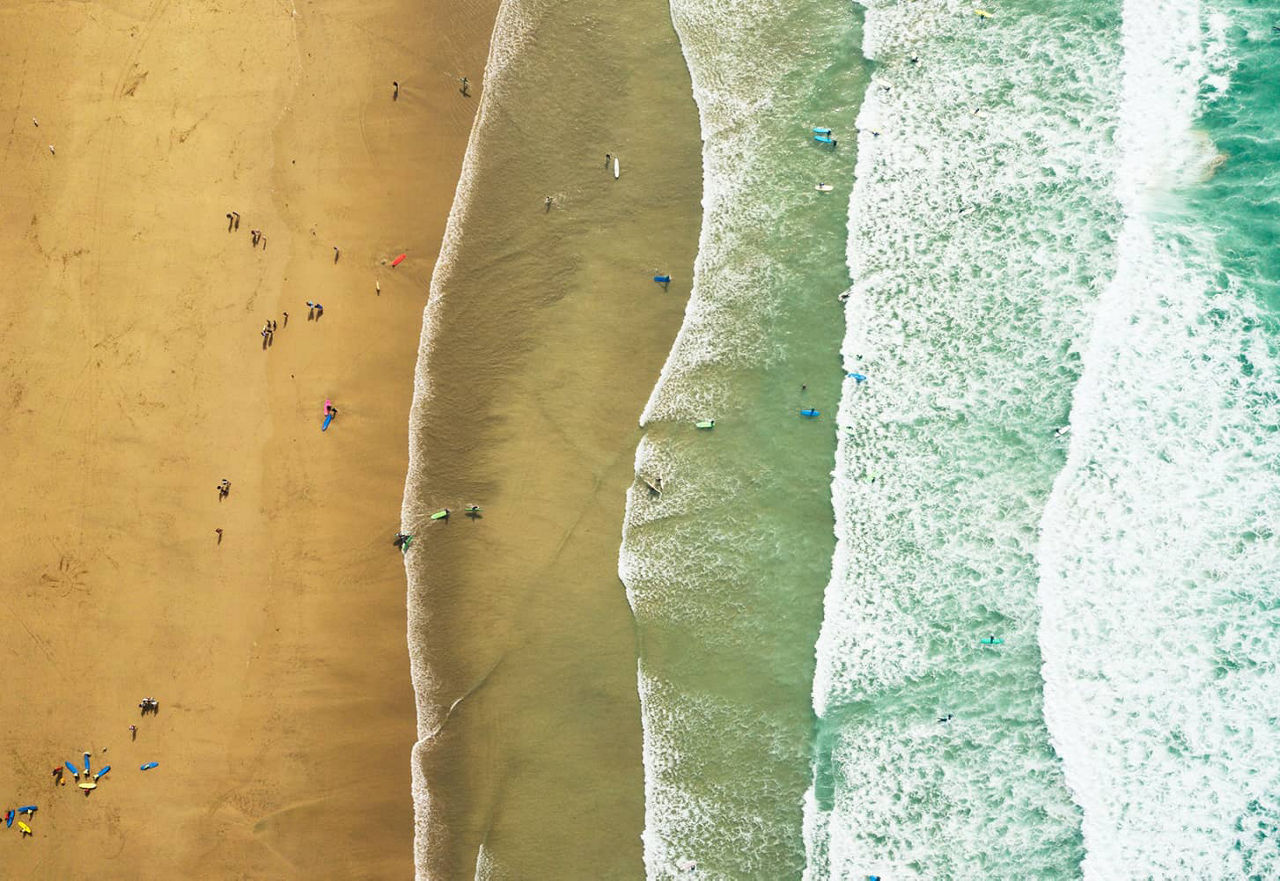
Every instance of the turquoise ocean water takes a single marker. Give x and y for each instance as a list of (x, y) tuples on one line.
[(1058, 243), (1050, 248)]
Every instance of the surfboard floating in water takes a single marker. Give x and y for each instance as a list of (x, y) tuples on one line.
[(821, 130), (442, 514), (991, 640), (706, 423), (809, 413), (824, 188), (398, 260)]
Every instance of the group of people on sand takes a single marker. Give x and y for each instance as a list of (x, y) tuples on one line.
[(148, 705)]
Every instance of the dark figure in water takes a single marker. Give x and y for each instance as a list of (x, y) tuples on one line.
[(465, 87), (947, 718), (400, 539)]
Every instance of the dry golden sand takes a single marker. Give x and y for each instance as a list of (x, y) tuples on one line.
[(133, 378)]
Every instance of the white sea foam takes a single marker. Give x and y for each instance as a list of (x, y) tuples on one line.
[(1158, 558), (512, 31), (980, 225)]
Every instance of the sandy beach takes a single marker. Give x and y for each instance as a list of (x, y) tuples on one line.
[(135, 378)]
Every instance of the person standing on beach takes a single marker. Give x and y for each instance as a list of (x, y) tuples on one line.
[(548, 203), (395, 94), (465, 86), (607, 159)]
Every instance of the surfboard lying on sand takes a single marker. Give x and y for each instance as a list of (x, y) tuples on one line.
[(8, 818), (100, 773), (398, 260), (148, 766), (617, 168), (72, 768), (24, 828), (328, 417), (28, 809), (662, 279), (87, 784)]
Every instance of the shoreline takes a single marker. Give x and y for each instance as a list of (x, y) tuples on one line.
[(547, 335), (136, 380)]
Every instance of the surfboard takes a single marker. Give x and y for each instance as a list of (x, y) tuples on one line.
[(810, 413), (856, 377), (24, 828), (8, 818), (991, 640), (87, 784), (824, 188), (662, 279), (27, 809), (328, 417), (100, 773), (86, 765), (617, 168), (398, 260), (72, 768), (709, 423), (823, 139), (148, 766), (404, 545), (441, 514), (821, 130)]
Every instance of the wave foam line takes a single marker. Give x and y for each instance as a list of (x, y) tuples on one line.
[(512, 30), (1158, 558)]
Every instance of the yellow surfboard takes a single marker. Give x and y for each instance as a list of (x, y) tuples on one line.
[(24, 828), (982, 13)]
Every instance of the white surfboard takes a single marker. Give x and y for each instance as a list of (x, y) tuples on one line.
[(617, 168), (824, 188)]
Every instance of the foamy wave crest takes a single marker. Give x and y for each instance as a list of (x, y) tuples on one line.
[(511, 32), (726, 318), (980, 233), (1158, 557)]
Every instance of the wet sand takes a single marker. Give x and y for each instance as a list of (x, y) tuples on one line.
[(133, 378), (550, 334)]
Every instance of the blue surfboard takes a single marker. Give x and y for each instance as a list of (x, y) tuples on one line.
[(809, 414), (662, 279), (8, 818), (823, 139), (328, 417), (821, 130), (148, 766), (102, 773), (72, 768), (856, 377)]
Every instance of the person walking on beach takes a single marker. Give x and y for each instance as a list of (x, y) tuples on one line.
[(548, 203), (219, 531), (465, 86), (230, 222), (336, 252), (286, 319), (133, 732), (236, 214), (607, 159), (395, 93), (57, 775)]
